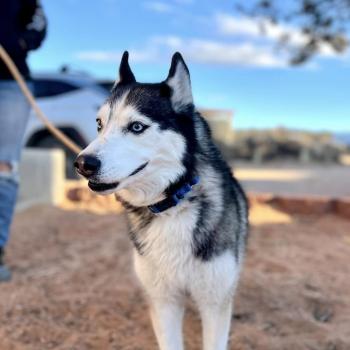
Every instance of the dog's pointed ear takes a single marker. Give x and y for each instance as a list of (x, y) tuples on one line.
[(126, 76), (180, 83)]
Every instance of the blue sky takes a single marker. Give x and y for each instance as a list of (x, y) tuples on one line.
[(232, 64)]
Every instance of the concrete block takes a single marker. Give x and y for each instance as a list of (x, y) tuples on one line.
[(42, 177)]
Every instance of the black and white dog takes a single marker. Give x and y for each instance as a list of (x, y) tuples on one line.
[(188, 215)]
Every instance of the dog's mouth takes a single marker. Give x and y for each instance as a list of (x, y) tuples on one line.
[(101, 187), (137, 170)]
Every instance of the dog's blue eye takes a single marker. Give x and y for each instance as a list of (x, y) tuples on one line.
[(137, 127), (99, 124)]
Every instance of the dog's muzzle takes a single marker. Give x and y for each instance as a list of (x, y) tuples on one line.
[(89, 166)]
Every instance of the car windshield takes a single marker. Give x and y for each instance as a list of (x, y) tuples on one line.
[(45, 87)]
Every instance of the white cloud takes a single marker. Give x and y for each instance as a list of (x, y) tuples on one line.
[(171, 41), (244, 45), (233, 54), (262, 28), (158, 6), (235, 41), (115, 56), (214, 52), (258, 28), (194, 50), (229, 25), (96, 56)]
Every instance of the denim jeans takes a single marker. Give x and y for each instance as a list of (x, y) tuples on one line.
[(14, 114)]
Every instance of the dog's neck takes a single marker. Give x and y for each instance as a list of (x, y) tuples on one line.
[(174, 194)]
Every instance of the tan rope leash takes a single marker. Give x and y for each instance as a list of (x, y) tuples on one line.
[(40, 114)]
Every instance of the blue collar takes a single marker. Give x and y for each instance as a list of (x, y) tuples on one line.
[(174, 199)]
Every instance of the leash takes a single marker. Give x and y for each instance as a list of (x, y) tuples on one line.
[(40, 114)]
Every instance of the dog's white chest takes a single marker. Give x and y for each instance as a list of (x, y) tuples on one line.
[(168, 257), (169, 267)]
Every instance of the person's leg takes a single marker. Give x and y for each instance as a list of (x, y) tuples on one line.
[(8, 195), (14, 113)]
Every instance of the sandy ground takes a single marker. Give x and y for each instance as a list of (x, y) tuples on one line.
[(74, 288)]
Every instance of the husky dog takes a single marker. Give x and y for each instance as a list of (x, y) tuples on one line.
[(187, 214)]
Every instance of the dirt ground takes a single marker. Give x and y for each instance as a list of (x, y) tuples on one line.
[(74, 288)]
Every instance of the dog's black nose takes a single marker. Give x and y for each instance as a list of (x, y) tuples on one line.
[(87, 165)]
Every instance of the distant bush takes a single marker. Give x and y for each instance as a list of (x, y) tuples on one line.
[(283, 145)]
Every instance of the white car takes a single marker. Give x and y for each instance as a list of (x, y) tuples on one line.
[(70, 101)]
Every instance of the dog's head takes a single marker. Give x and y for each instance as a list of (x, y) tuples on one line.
[(145, 136)]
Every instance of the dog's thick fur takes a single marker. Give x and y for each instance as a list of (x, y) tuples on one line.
[(195, 248)]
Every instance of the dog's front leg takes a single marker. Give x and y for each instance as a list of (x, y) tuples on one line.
[(216, 320), (167, 319)]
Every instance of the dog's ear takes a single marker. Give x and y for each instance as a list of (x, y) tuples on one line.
[(180, 83), (126, 76)]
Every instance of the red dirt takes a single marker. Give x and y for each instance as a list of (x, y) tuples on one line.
[(74, 288)]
